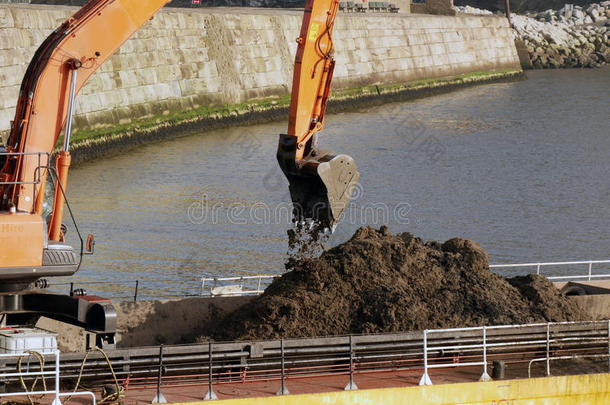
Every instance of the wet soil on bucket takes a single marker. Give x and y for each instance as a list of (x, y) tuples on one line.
[(383, 282)]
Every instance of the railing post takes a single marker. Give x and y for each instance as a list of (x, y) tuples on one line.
[(538, 269), (548, 349), (258, 287), (159, 398), (590, 266), (425, 379), (485, 376), (202, 286), (56, 401), (283, 390), (210, 396), (351, 385), (135, 293)]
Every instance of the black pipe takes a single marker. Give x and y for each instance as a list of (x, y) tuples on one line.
[(160, 372), (135, 294), (283, 389)]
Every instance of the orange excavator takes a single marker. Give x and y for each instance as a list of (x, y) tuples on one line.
[(33, 243)]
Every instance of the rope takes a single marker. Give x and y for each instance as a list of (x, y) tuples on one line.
[(108, 399), (22, 381)]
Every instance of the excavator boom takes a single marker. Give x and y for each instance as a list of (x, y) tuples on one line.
[(58, 70), (56, 73), (320, 182)]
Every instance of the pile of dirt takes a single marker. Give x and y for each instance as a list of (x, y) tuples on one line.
[(380, 282)]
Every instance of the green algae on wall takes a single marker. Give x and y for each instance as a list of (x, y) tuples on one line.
[(101, 142)]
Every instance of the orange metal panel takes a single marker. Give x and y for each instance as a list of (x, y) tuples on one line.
[(21, 240), (311, 69)]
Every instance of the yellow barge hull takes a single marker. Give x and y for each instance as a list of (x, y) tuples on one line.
[(589, 389)]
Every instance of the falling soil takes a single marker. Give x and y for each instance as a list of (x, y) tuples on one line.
[(307, 240), (380, 282)]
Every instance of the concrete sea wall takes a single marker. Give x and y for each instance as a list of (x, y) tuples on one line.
[(186, 59)]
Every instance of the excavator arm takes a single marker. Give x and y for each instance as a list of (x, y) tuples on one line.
[(29, 247), (320, 182), (56, 73), (32, 246)]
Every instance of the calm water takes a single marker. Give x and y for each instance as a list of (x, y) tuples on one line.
[(522, 168)]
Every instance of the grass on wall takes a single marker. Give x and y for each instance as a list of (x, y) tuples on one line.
[(260, 106)]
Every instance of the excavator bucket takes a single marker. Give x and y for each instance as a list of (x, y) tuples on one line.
[(322, 187)]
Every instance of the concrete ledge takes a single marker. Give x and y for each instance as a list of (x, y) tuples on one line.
[(149, 323)]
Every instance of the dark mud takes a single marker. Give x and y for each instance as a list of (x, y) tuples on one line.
[(381, 282)]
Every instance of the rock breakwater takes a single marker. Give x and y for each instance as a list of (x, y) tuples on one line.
[(573, 36), (570, 37)]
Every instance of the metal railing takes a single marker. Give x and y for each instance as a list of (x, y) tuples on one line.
[(574, 357), (348, 356), (235, 289), (42, 163), (38, 174), (41, 373), (286, 360), (425, 379), (588, 276), (552, 341), (208, 287)]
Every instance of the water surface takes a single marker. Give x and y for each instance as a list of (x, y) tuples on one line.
[(522, 168)]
